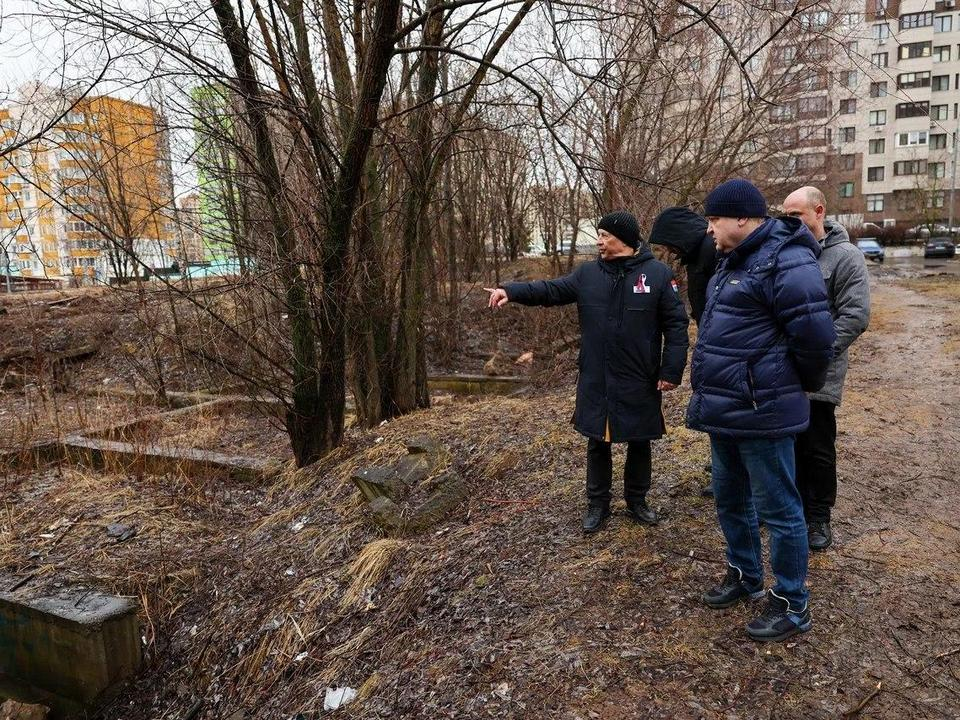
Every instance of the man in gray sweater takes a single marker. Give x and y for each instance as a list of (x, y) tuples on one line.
[(848, 288)]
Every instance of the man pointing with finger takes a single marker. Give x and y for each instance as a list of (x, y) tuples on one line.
[(633, 346)]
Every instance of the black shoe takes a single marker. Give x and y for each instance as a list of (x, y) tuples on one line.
[(777, 622), (640, 512), (595, 518), (708, 468), (819, 536), (734, 588), (707, 490)]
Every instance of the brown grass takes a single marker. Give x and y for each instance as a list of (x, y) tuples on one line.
[(945, 287)]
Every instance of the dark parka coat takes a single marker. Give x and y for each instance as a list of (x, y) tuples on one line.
[(633, 330), (766, 336), (685, 232)]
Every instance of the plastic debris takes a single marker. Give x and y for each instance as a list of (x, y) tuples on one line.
[(336, 698)]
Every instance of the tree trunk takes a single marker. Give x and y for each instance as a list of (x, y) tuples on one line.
[(409, 365), (310, 422)]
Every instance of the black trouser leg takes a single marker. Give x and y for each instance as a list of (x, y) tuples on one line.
[(816, 456), (637, 471), (599, 472)]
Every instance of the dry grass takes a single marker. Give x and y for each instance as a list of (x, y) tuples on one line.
[(944, 287)]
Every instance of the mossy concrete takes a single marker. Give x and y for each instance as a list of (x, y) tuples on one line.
[(70, 651)]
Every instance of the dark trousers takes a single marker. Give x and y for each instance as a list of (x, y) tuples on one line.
[(816, 455), (636, 471)]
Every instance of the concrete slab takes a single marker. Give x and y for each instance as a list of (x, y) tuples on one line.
[(156, 460), (70, 651), (477, 384)]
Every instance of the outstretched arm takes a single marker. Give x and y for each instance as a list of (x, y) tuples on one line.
[(560, 291)]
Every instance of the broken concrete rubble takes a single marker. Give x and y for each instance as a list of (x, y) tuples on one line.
[(388, 490)]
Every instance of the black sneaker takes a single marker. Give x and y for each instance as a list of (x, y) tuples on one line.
[(595, 518), (777, 622), (640, 512), (707, 490), (734, 588), (819, 536)]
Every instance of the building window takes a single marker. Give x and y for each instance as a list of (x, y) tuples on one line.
[(849, 134), (912, 139), (910, 167), (878, 89), (936, 170), (848, 107), (874, 203), (913, 109), (915, 50), (847, 162), (913, 80), (880, 59), (881, 31), (941, 53), (782, 113), (813, 161), (935, 200), (878, 146), (814, 20), (848, 78), (939, 112), (943, 23), (915, 20), (878, 117), (813, 107), (940, 82), (846, 190), (785, 54), (875, 174), (938, 141)]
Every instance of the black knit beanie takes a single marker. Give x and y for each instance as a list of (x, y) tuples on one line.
[(623, 225), (737, 199)]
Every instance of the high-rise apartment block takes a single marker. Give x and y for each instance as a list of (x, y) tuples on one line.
[(91, 198), (897, 115)]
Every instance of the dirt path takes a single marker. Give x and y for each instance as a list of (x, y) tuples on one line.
[(611, 626)]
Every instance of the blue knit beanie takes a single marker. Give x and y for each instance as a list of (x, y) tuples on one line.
[(737, 199)]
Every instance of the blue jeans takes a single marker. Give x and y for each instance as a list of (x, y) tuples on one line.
[(758, 476)]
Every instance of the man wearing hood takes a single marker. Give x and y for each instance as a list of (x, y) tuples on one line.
[(684, 233), (766, 338), (844, 271), (633, 347)]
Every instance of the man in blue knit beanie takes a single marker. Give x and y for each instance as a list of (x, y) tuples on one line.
[(765, 339)]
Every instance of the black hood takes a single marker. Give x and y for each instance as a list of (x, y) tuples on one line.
[(681, 229)]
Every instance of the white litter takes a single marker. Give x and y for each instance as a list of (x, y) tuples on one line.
[(336, 698)]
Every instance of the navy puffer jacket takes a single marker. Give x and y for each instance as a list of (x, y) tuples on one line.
[(633, 329), (766, 336)]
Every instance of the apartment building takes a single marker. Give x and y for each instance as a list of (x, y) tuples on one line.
[(895, 132), (91, 199)]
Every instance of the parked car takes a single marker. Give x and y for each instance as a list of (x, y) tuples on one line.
[(939, 247), (871, 249)]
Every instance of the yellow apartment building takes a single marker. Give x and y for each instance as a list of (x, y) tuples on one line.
[(91, 200)]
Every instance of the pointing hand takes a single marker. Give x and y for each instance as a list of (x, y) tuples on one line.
[(498, 297)]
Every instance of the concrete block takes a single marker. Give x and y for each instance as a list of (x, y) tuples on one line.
[(69, 652), (376, 482)]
